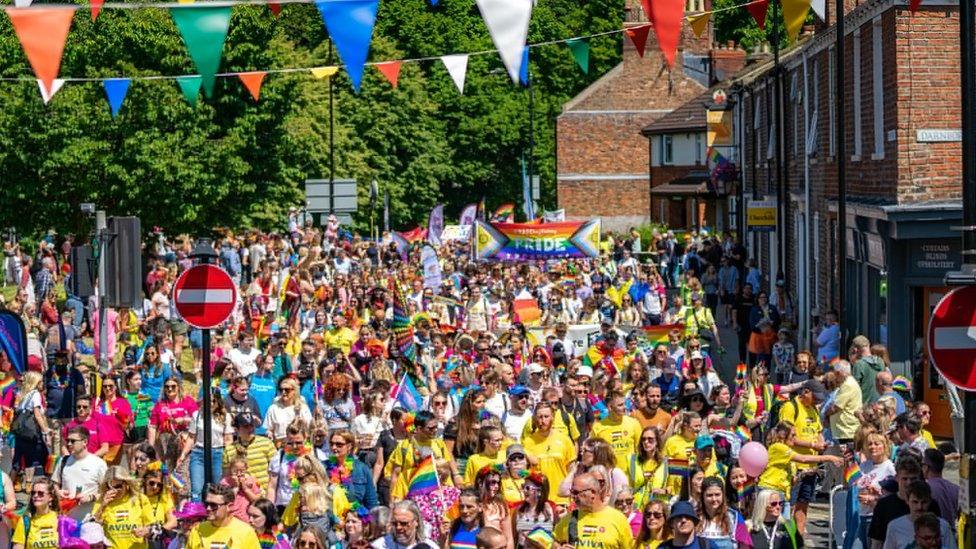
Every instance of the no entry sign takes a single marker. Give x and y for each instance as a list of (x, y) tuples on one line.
[(205, 296), (952, 337)]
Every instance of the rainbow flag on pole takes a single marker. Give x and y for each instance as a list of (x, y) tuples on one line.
[(679, 467), (424, 478), (659, 334), (852, 473), (504, 214)]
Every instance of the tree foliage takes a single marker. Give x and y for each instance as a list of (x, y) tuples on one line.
[(233, 162)]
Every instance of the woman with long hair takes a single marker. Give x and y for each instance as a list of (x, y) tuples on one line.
[(655, 527), (160, 506), (116, 417), (596, 452), (535, 509), (719, 524), (768, 527), (461, 532), (121, 509), (461, 433), (876, 465), (262, 515), (141, 405), (155, 372), (647, 472), (140, 458), (345, 469), (679, 448), (169, 421), (490, 441), (367, 427), (30, 449), (42, 516), (286, 407), (223, 435), (495, 513), (336, 404)]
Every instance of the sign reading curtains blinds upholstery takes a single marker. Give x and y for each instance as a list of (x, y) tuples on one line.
[(877, 89)]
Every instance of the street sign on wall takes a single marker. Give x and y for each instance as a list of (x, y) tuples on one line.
[(761, 215)]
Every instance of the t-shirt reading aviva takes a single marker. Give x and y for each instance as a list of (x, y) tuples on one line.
[(206, 536), (43, 532), (605, 529), (623, 437), (121, 517)]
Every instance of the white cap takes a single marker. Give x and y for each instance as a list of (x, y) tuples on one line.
[(584, 371), (536, 368), (697, 354), (92, 533)]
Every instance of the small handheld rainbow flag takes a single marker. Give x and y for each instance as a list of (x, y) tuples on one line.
[(852, 473), (745, 489), (659, 334), (678, 467), (179, 485), (741, 373), (424, 478), (743, 433)]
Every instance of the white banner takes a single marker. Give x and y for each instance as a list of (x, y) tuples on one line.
[(456, 232), (432, 268)]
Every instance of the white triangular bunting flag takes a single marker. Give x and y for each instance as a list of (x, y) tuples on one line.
[(508, 24), (457, 67), (820, 8), (46, 94), (22, 3)]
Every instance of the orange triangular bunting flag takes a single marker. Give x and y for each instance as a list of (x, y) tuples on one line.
[(638, 35), (391, 70), (252, 81), (275, 8), (96, 7), (699, 23), (42, 32)]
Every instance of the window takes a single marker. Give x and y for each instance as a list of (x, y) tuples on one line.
[(831, 94), (856, 91), (877, 78), (667, 150), (797, 96), (813, 138), (698, 148)]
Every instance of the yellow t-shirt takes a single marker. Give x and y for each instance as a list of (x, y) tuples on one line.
[(806, 421), (569, 429), (158, 508), (645, 478), (120, 518), (206, 536), (43, 532), (779, 470), (512, 489), (607, 528), (341, 338), (477, 461), (404, 456), (678, 447), (554, 452), (622, 435), (928, 437)]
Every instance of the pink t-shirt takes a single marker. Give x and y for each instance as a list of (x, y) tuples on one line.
[(165, 411), (111, 336), (96, 430), (115, 416), (238, 507)]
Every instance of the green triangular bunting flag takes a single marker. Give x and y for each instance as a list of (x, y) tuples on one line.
[(204, 31), (581, 52), (190, 85)]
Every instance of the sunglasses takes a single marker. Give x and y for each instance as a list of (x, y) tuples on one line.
[(625, 501), (38, 493), (401, 522), (655, 514), (775, 504), (153, 484), (338, 443), (212, 504)]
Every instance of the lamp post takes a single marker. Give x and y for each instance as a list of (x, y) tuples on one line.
[(203, 252)]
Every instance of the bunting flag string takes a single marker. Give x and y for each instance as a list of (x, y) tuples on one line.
[(204, 31), (508, 25), (42, 33), (190, 86), (758, 11), (638, 35), (391, 70), (47, 92), (581, 53)]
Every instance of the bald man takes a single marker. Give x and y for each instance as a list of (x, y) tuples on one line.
[(490, 538), (593, 524)]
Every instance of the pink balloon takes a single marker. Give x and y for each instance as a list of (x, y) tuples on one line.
[(753, 458)]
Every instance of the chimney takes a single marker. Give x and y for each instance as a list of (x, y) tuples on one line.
[(726, 60)]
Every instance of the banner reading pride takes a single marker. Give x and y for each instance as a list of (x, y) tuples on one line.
[(525, 241)]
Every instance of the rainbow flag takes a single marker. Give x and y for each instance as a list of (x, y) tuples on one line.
[(679, 467), (424, 479), (852, 473), (402, 324), (7, 385), (179, 485), (541, 536), (659, 334), (51, 465), (743, 433), (504, 214), (745, 489)]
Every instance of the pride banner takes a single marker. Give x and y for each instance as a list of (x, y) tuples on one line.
[(528, 241)]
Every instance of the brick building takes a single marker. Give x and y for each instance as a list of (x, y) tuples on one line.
[(903, 174), (601, 158)]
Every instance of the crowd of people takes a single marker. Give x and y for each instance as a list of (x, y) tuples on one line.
[(357, 404)]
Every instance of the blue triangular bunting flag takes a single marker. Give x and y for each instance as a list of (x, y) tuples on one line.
[(524, 69), (115, 90), (350, 25)]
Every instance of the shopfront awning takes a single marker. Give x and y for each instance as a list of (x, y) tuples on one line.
[(692, 185)]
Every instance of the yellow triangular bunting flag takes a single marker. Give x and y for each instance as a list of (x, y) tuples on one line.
[(322, 72), (699, 23)]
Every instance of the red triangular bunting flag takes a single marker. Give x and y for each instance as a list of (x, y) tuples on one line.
[(275, 8), (96, 7), (666, 15), (638, 35), (913, 5), (252, 81), (758, 10), (391, 70), (42, 32)]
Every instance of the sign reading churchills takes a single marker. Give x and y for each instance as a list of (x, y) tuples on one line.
[(761, 215)]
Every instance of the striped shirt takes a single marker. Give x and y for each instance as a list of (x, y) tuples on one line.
[(258, 454)]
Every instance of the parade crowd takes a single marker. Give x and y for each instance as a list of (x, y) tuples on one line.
[(518, 404)]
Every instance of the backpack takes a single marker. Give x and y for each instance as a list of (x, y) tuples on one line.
[(24, 425), (776, 409)]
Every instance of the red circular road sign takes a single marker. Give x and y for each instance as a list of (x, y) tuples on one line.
[(952, 337), (205, 296)]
